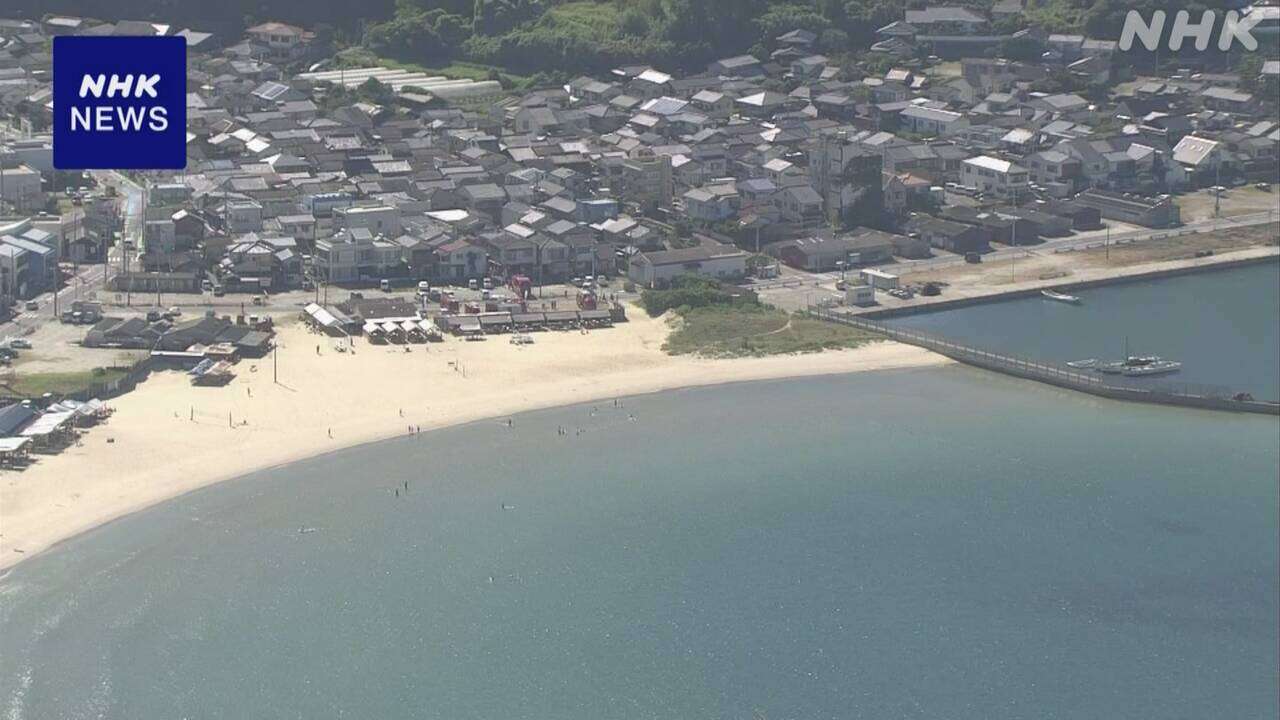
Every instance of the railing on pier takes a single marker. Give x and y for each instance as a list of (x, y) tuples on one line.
[(1190, 394)]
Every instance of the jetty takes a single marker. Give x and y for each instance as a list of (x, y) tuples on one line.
[(1209, 397)]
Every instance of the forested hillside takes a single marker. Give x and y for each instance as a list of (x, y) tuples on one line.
[(222, 16), (576, 36)]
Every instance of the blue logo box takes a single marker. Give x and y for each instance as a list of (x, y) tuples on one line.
[(119, 103)]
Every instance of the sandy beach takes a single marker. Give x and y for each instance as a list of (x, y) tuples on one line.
[(169, 437)]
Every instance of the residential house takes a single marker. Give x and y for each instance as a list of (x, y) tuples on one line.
[(994, 176), (712, 203), (929, 121)]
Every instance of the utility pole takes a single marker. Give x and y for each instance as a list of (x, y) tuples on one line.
[(1217, 192), (1013, 242)]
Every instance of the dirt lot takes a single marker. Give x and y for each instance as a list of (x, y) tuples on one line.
[(1235, 201), (985, 277)]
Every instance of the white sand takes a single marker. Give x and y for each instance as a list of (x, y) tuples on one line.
[(159, 452)]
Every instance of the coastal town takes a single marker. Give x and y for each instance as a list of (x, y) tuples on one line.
[(385, 209)]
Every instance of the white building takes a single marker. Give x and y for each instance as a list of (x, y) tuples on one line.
[(20, 188), (995, 176), (354, 255), (378, 219)]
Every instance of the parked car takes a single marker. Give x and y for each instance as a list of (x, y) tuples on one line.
[(32, 305), (20, 343), (154, 315)]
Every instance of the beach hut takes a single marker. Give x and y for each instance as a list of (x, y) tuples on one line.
[(14, 450), (83, 413), (15, 417), (219, 373), (324, 319), (496, 322), (429, 330), (374, 332), (466, 325), (411, 331), (392, 330), (562, 319), (49, 429), (595, 318), (529, 321)]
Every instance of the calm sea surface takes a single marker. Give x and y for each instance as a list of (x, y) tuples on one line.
[(939, 543), (1223, 326)]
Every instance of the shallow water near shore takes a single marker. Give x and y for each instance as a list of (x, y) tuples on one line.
[(822, 548)]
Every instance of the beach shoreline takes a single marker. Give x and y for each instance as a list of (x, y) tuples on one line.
[(168, 437)]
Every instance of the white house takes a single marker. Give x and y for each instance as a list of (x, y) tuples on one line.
[(992, 175)]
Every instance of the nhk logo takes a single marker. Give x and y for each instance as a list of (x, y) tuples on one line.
[(1234, 28), (119, 103), (101, 118)]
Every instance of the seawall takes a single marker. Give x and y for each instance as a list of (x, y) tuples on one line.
[(1170, 268)]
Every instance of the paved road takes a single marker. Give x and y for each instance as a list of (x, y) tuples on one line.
[(87, 279)]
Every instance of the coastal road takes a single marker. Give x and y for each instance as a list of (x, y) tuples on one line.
[(1091, 239)]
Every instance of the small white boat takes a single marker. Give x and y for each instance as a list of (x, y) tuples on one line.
[(1083, 364), (1159, 367), (1060, 297), (1137, 365)]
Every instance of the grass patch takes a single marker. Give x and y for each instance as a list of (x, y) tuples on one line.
[(589, 20), (725, 331), (59, 383), (358, 57)]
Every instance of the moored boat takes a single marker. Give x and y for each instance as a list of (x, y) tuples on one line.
[(1060, 297), (1135, 365), (1083, 364), (1158, 367)]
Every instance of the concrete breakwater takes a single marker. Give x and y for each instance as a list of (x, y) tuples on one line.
[(1182, 394)]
